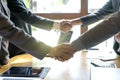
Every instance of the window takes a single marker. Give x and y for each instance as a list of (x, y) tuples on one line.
[(55, 6), (94, 5), (63, 9), (56, 10)]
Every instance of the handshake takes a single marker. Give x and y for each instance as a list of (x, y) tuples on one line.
[(62, 52), (66, 25)]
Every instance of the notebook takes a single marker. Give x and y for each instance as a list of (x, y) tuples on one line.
[(98, 73), (40, 75)]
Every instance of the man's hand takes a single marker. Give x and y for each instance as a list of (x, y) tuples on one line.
[(65, 26), (62, 52)]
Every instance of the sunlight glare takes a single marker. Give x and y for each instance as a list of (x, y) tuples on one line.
[(48, 37)]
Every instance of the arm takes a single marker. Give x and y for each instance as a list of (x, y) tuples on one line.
[(99, 33), (110, 7), (107, 9), (26, 42), (21, 39), (18, 8)]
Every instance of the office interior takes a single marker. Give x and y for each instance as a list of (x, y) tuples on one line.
[(80, 65)]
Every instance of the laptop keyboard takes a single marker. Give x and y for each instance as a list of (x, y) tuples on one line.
[(98, 63)]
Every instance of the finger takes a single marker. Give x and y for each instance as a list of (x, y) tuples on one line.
[(68, 52), (65, 27), (67, 48), (59, 58), (65, 56)]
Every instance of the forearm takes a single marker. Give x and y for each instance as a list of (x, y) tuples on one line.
[(37, 21), (99, 33), (86, 20), (108, 8)]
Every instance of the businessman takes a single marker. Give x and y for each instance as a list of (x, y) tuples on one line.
[(96, 35), (10, 33), (21, 16), (109, 8)]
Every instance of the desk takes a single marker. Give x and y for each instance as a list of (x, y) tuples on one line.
[(20, 60), (77, 68)]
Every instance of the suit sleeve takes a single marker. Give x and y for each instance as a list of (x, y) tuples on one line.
[(107, 9), (21, 39), (18, 8), (99, 33)]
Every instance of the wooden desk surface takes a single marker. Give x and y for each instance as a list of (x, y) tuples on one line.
[(77, 68), (20, 60)]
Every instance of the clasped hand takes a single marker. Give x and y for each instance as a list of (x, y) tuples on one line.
[(65, 26), (62, 52)]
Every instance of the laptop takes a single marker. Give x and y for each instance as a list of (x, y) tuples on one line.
[(99, 73), (40, 75)]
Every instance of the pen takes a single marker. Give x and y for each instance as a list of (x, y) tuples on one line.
[(108, 59), (95, 64)]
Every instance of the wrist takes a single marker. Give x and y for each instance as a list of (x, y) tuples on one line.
[(76, 22), (51, 52), (73, 48)]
